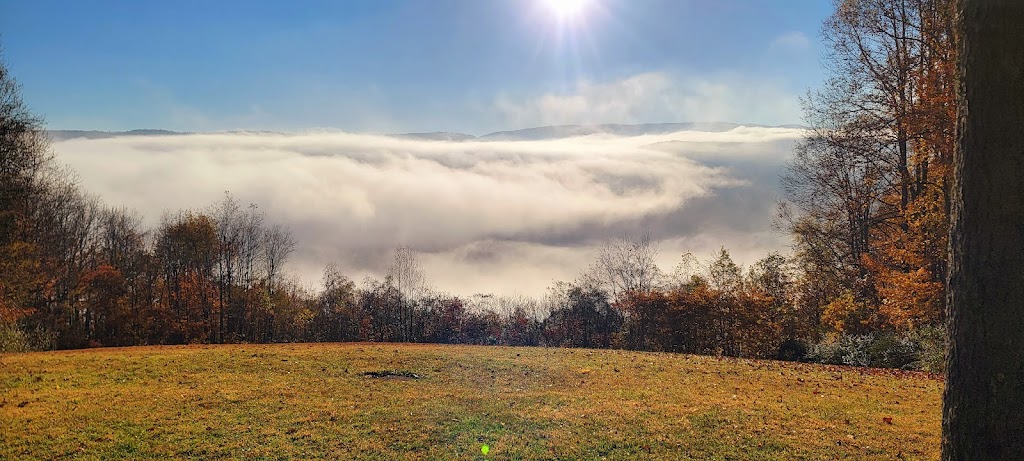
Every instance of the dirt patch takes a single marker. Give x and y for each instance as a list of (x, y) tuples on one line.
[(392, 374)]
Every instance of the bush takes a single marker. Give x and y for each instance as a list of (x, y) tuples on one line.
[(923, 349), (853, 350), (792, 350), (839, 351), (12, 339), (931, 342), (15, 339)]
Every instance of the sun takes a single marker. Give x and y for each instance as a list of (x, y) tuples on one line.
[(565, 9)]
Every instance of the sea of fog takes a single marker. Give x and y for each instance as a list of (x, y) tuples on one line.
[(503, 216)]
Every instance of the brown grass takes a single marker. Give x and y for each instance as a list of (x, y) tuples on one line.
[(314, 401)]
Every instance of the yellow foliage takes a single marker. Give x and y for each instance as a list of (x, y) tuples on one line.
[(846, 315)]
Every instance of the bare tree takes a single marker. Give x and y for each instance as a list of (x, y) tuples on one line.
[(983, 412), (835, 190), (406, 275), (226, 214), (875, 49), (625, 265), (24, 153), (240, 262), (123, 248), (278, 245), (682, 275), (724, 274), (122, 236), (251, 243)]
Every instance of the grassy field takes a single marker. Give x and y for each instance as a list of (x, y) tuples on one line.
[(314, 401)]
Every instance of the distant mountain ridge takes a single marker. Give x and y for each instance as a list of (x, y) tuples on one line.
[(436, 136), (64, 135), (527, 134), (568, 131)]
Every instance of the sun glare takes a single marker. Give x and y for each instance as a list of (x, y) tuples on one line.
[(565, 9)]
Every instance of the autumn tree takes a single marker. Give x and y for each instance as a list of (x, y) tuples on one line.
[(773, 279), (24, 159), (867, 189), (446, 322), (186, 248), (649, 322), (581, 317), (337, 316)]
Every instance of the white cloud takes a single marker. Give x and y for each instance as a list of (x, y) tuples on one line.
[(655, 97), (791, 41), (507, 217)]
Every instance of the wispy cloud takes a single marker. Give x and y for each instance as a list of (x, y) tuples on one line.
[(506, 216), (310, 101), (654, 97), (791, 41)]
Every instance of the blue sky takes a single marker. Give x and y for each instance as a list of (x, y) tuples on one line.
[(383, 66)]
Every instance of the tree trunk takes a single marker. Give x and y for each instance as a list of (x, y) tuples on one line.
[(983, 414)]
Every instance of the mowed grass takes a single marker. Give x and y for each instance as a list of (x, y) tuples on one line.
[(313, 401)]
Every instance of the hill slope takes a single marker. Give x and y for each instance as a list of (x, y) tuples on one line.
[(310, 401)]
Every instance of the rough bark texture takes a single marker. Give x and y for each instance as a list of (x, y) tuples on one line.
[(983, 414)]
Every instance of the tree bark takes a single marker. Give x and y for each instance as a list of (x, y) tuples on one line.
[(983, 411)]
